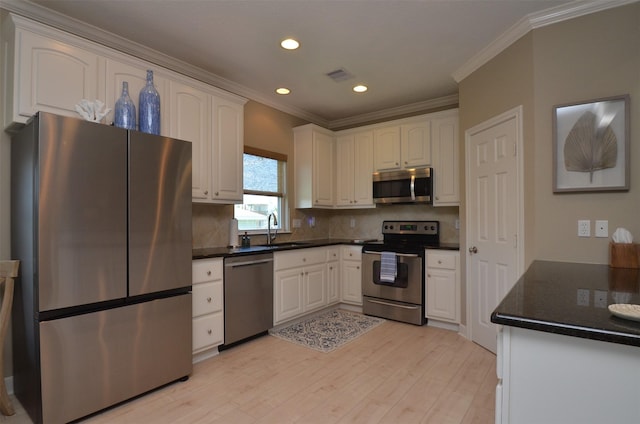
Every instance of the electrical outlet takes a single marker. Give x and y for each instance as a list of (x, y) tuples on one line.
[(583, 297), (600, 298), (584, 228), (457, 224), (352, 223), (602, 228)]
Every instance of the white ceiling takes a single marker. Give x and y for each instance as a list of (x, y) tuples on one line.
[(406, 51)]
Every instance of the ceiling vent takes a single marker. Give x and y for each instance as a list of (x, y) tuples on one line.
[(340, 75)]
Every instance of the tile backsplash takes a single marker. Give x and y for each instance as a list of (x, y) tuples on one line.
[(210, 224)]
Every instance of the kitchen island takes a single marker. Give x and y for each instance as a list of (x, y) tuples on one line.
[(562, 356)]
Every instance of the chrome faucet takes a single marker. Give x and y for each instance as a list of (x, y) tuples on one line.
[(271, 238)]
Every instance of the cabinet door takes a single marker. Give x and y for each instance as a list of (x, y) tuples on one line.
[(363, 166), (345, 171), (441, 294), (323, 169), (189, 112), (51, 76), (416, 145), (333, 282), (287, 294), (315, 287), (386, 148), (446, 167), (227, 144), (351, 282)]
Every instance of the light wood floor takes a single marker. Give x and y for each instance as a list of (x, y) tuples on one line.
[(396, 373)]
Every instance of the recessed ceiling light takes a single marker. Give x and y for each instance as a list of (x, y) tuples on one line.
[(283, 91), (289, 44), (360, 88)]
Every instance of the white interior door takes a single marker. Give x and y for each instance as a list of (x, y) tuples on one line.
[(494, 219)]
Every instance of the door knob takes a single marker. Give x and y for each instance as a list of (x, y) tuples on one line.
[(473, 249)]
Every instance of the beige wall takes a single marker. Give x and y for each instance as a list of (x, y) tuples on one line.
[(586, 58)]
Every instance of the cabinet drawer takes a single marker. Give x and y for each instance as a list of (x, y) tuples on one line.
[(208, 331), (352, 253), (207, 298), (207, 270), (441, 260), (298, 258), (333, 254)]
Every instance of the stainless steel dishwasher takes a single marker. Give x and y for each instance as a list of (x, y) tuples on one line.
[(248, 296)]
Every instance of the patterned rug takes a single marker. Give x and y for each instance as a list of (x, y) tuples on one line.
[(328, 331)]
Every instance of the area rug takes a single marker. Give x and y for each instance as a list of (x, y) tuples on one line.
[(328, 331)]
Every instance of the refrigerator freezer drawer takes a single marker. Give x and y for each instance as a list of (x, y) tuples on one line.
[(93, 361)]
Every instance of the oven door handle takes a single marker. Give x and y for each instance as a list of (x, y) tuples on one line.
[(379, 302), (406, 255)]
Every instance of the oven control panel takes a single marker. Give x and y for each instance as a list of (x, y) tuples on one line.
[(411, 227)]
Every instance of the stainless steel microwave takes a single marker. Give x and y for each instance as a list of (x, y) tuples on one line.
[(405, 186)]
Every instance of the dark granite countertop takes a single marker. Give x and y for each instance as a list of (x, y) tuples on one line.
[(221, 252), (572, 299)]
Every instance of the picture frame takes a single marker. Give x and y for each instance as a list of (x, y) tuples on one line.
[(591, 145)]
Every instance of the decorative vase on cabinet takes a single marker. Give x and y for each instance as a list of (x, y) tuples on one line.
[(149, 105), (125, 110)]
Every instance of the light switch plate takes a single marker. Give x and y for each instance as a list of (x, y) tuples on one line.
[(602, 228)]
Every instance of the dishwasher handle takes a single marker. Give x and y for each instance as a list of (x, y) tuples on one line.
[(248, 263)]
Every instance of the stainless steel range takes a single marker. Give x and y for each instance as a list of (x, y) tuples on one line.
[(393, 270)]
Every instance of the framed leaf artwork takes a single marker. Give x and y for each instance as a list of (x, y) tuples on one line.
[(591, 145)]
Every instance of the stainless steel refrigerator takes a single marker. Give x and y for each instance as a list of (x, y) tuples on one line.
[(101, 222)]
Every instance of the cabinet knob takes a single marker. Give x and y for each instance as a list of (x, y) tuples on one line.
[(429, 275), (439, 261), (357, 267), (397, 164), (406, 163), (206, 192), (304, 259), (208, 299), (355, 201), (209, 272), (216, 193), (209, 331)]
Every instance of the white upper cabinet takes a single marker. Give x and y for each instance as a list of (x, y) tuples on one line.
[(386, 148), (415, 146), (51, 70), (407, 145), (189, 119), (314, 166), (354, 164), (446, 164), (228, 147), (44, 73)]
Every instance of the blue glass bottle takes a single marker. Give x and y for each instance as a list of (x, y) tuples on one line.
[(149, 107), (125, 110)]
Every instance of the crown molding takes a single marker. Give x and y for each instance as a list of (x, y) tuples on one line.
[(440, 102), (532, 21), (65, 23)]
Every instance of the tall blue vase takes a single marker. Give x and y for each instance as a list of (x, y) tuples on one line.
[(149, 107), (125, 110)]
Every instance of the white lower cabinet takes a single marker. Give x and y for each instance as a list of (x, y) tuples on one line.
[(552, 378), (333, 275), (351, 275), (208, 304), (300, 283), (443, 285)]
